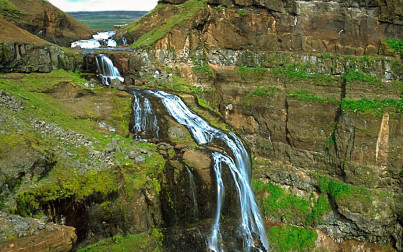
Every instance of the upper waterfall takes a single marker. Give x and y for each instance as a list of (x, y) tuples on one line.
[(99, 39), (107, 70), (251, 225)]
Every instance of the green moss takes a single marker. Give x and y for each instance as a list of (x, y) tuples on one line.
[(65, 184), (241, 12), (394, 44), (256, 73), (204, 70), (220, 8), (138, 242), (309, 96), (325, 56), (291, 238), (342, 191), (353, 75), (144, 175), (372, 106), (8, 9), (265, 91), (121, 113), (186, 12), (179, 85), (298, 71), (282, 204)]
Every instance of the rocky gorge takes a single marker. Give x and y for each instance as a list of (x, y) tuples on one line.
[(314, 95)]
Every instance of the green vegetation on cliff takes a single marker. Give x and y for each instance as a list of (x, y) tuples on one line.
[(59, 121), (291, 238), (185, 13), (283, 205), (372, 106), (138, 242), (395, 45), (298, 71), (8, 9)]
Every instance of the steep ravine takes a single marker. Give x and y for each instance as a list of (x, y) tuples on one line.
[(321, 119)]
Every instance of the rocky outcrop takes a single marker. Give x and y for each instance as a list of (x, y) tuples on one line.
[(27, 58), (44, 20), (28, 234), (20, 51), (297, 26)]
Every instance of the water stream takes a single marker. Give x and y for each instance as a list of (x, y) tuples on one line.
[(251, 225), (107, 71)]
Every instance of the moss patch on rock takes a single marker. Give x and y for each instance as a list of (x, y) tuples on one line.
[(138, 242)]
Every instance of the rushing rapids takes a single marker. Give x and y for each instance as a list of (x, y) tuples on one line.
[(251, 225), (107, 71), (99, 39)]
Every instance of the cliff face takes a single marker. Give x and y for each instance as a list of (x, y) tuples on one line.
[(45, 21), (310, 86), (342, 27)]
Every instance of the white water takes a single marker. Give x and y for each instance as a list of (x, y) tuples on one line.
[(99, 39), (251, 226), (192, 187), (107, 71), (144, 118)]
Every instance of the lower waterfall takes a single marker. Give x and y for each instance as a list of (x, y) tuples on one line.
[(251, 225)]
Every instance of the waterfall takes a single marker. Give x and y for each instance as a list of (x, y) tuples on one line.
[(251, 226), (145, 121), (99, 39), (107, 70), (192, 187), (122, 39)]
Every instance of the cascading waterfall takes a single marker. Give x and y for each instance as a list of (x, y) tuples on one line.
[(107, 70), (251, 226), (144, 118)]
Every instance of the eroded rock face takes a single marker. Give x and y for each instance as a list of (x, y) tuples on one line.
[(297, 26), (27, 58)]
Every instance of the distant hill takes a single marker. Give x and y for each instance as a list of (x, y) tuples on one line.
[(105, 20), (44, 20)]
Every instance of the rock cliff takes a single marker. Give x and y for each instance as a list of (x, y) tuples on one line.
[(341, 27), (312, 91)]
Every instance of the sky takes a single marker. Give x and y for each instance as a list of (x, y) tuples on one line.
[(102, 5)]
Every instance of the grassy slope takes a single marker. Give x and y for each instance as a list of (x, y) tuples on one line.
[(181, 14), (11, 33), (37, 15), (66, 180)]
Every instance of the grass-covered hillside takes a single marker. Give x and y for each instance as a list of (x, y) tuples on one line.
[(43, 19)]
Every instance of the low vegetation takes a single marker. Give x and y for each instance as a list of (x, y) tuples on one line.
[(395, 44), (138, 242), (355, 75), (282, 204), (8, 9), (256, 73), (266, 90), (186, 12), (298, 71), (372, 106), (74, 174), (291, 238), (309, 96)]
